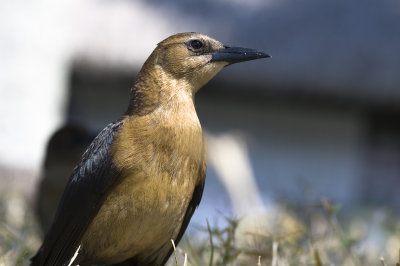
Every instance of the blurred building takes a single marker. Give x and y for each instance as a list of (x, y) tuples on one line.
[(318, 119), (63, 151)]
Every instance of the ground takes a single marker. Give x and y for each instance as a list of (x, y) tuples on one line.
[(291, 235)]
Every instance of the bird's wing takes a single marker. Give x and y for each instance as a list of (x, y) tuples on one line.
[(81, 200)]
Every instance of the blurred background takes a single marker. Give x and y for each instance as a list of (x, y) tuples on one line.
[(320, 119)]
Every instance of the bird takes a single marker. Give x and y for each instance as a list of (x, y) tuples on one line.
[(139, 182)]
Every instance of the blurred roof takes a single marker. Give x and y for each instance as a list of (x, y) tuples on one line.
[(334, 47), (341, 48)]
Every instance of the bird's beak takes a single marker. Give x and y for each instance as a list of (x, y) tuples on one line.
[(236, 54)]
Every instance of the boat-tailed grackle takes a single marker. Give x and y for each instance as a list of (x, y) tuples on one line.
[(139, 182)]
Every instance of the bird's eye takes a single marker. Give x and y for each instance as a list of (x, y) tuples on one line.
[(196, 44)]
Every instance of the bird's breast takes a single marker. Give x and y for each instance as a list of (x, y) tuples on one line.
[(160, 162)]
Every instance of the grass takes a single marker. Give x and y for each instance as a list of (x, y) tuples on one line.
[(19, 235), (318, 237), (315, 235)]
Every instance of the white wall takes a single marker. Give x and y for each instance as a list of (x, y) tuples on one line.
[(39, 40)]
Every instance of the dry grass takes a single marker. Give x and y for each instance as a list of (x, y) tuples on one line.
[(19, 235), (316, 235), (367, 238)]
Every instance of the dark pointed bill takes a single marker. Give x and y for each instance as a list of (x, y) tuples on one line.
[(237, 54)]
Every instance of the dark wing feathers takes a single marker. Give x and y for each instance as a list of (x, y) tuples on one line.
[(82, 198)]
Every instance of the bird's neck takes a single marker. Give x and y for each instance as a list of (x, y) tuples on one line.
[(162, 116), (155, 88)]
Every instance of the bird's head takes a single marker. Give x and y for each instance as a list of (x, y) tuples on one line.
[(196, 58)]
